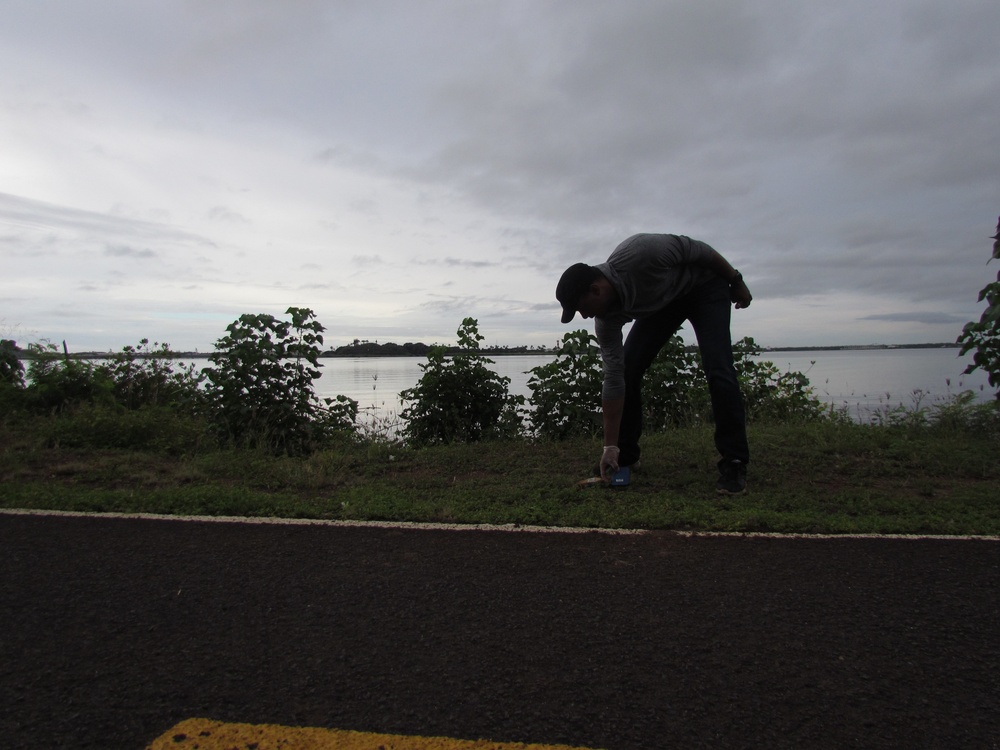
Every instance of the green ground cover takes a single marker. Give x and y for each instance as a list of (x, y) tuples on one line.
[(824, 477)]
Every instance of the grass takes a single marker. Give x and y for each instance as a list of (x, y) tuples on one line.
[(814, 478)]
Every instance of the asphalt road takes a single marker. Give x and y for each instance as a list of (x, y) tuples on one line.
[(114, 630)]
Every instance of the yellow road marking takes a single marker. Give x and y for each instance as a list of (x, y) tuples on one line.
[(205, 734)]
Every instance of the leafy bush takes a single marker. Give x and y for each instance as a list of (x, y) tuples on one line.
[(962, 413), (261, 388), (11, 377), (675, 389), (566, 393), (57, 382), (144, 375), (11, 369), (459, 399), (770, 394), (984, 335)]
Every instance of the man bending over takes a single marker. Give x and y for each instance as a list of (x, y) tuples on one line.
[(659, 281)]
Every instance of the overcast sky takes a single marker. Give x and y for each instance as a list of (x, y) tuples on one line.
[(398, 165)]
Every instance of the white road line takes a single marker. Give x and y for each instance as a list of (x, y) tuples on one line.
[(798, 535), (481, 526), (322, 522)]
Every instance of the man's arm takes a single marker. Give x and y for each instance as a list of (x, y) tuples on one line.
[(724, 269), (612, 424), (609, 337)]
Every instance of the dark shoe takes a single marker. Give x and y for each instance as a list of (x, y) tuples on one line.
[(732, 478)]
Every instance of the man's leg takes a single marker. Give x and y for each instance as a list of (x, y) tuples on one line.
[(710, 316), (642, 344)]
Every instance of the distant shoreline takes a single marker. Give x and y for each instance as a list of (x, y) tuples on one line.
[(858, 347)]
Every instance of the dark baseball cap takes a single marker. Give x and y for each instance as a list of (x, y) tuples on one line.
[(573, 284)]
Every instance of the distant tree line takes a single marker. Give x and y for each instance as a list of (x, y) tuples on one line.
[(363, 348)]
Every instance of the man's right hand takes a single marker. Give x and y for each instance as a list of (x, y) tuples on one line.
[(740, 294), (609, 461)]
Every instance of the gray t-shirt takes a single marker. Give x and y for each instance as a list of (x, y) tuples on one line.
[(648, 272)]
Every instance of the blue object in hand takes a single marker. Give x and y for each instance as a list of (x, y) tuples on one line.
[(622, 477)]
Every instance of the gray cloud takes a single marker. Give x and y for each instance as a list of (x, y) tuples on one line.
[(465, 263), (120, 251), (929, 318), (21, 212), (222, 213)]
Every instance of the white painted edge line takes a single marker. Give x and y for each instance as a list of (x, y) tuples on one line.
[(799, 535), (323, 522), (510, 527)]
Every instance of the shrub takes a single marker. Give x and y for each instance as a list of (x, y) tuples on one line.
[(984, 335), (566, 393), (675, 389), (962, 413), (144, 375), (11, 369), (459, 399), (11, 377), (261, 388), (57, 382), (770, 394), (676, 392)]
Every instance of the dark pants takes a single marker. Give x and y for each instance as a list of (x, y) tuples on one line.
[(708, 307)]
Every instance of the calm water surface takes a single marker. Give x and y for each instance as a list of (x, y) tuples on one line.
[(865, 380), (860, 380)]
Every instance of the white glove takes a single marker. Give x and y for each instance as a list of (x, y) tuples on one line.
[(609, 461)]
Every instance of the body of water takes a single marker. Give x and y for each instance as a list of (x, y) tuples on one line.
[(870, 379), (861, 380)]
